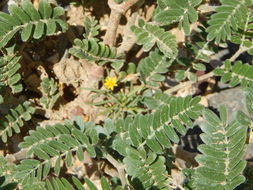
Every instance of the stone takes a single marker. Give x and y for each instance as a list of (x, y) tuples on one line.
[(233, 98)]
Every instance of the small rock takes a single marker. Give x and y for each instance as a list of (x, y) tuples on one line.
[(233, 98)]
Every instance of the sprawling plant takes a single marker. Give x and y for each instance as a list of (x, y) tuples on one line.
[(137, 119)]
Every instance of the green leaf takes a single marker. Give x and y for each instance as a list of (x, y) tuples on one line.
[(117, 65), (1, 99), (180, 75), (192, 77), (46, 10), (147, 168), (236, 74), (39, 30), (178, 11), (15, 120), (220, 164), (250, 51), (51, 27), (28, 7), (157, 129), (50, 93), (152, 67), (57, 167), (29, 22), (57, 12), (105, 185), (19, 13), (54, 144), (199, 67), (150, 34), (91, 27), (228, 18), (92, 50), (64, 184), (249, 100), (90, 184), (69, 159), (26, 32)]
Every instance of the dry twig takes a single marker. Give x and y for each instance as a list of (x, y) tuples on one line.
[(117, 10)]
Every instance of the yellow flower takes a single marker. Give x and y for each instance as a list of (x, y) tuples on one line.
[(110, 83)]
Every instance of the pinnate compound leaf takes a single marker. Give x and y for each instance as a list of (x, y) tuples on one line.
[(30, 22), (9, 76), (54, 145), (228, 18), (221, 163), (237, 73), (50, 93), (152, 67), (92, 50), (15, 119), (178, 11), (150, 34)]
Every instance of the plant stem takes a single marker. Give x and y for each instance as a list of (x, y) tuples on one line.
[(117, 10), (129, 37), (241, 50), (110, 36), (120, 168)]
